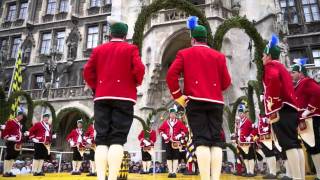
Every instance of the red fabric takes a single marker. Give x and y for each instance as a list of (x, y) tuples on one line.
[(13, 128), (38, 131), (239, 168), (152, 139), (222, 135), (262, 125), (172, 132), (307, 91), (89, 134), (205, 74), (245, 130), (278, 87), (73, 136), (114, 70)]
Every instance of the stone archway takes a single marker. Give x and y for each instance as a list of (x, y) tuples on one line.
[(85, 109), (67, 120), (158, 5), (159, 96), (251, 31)]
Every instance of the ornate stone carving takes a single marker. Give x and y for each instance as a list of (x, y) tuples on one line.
[(72, 42)]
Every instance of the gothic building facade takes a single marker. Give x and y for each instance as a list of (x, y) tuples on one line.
[(57, 36)]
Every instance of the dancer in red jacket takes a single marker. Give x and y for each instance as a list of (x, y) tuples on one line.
[(246, 135), (281, 107), (13, 138), (265, 144), (41, 135), (205, 78), (90, 143), (113, 72), (75, 139), (172, 131), (307, 91), (147, 139)]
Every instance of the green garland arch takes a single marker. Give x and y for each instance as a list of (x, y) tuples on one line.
[(66, 111), (234, 112), (52, 110), (253, 87), (229, 118), (29, 103), (146, 125), (157, 5), (251, 31)]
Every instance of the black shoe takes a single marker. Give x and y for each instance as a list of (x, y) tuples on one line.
[(41, 174), (286, 178), (75, 173), (269, 176), (35, 174), (189, 173), (244, 175), (250, 175), (6, 175), (92, 174), (172, 175), (12, 175)]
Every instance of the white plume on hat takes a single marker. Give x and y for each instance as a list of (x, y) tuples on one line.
[(113, 19)]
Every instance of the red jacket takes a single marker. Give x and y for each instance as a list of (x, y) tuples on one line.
[(278, 87), (13, 128), (263, 126), (152, 139), (89, 134), (245, 130), (205, 74), (172, 131), (307, 91), (38, 131), (76, 135), (114, 70)]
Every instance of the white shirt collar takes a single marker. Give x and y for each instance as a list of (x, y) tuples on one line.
[(117, 40)]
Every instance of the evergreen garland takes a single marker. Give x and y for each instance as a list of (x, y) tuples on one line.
[(158, 5), (251, 31), (45, 104), (234, 112), (66, 111), (254, 87), (229, 119), (29, 104), (146, 125)]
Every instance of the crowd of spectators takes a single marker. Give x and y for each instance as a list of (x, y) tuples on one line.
[(25, 167)]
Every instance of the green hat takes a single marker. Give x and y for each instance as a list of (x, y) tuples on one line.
[(20, 111), (174, 109), (274, 52), (199, 32), (46, 115), (119, 29), (299, 68), (272, 47)]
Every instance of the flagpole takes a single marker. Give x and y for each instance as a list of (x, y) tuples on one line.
[(14, 70)]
